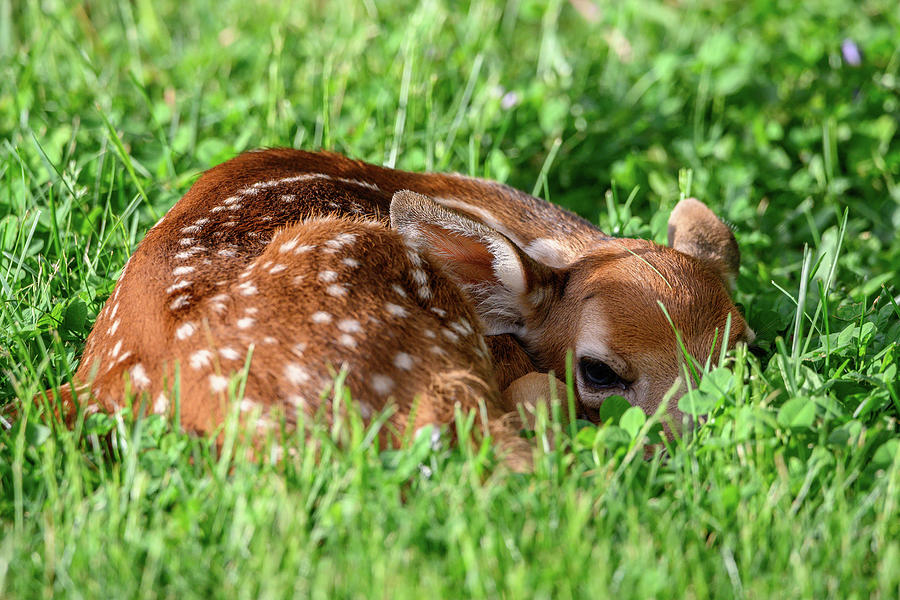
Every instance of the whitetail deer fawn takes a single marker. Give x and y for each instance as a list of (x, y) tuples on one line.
[(312, 261)]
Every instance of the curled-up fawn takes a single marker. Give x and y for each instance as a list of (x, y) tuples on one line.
[(298, 264)]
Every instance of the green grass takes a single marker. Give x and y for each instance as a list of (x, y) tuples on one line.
[(789, 488)]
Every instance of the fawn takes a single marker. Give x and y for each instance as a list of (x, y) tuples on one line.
[(298, 263)]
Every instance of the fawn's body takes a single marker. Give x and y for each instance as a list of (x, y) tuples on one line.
[(298, 263)]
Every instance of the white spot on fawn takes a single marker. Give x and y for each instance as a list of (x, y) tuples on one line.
[(115, 325), (245, 323), (115, 349), (177, 286), (229, 353), (190, 229), (296, 374), (185, 331), (186, 241), (182, 270), (139, 376), (218, 383), (347, 340), (200, 359), (161, 405), (179, 302), (247, 288), (398, 289), (335, 289), (382, 384), (321, 317), (403, 361), (350, 326), (288, 246), (277, 268), (439, 311), (395, 309), (327, 276), (350, 262)]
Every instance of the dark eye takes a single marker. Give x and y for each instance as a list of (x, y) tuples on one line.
[(598, 374)]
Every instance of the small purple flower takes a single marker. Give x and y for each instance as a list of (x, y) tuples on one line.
[(852, 55), (509, 100)]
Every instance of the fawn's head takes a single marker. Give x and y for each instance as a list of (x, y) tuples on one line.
[(628, 309)]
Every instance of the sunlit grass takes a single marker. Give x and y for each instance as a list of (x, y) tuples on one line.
[(789, 484)]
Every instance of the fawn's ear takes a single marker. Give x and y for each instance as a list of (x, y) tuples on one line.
[(495, 273), (695, 230)]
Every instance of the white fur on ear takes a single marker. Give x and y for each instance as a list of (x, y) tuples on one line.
[(486, 265)]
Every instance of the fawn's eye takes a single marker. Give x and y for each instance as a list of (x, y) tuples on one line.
[(598, 374)]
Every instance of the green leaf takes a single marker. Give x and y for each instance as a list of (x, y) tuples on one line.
[(696, 402), (75, 316), (886, 453), (717, 382), (36, 434), (797, 413), (632, 421), (612, 409)]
